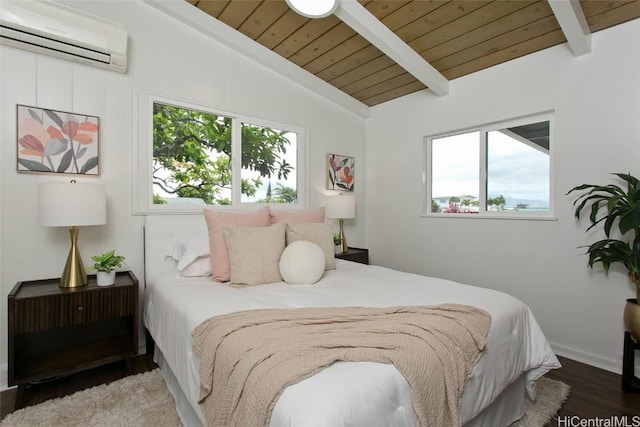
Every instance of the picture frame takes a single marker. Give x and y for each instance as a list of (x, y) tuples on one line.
[(340, 172), (53, 141)]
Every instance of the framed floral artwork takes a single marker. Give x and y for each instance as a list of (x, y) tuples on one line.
[(340, 172), (51, 141)]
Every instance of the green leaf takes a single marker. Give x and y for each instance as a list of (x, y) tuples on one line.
[(89, 164), (610, 205), (34, 166), (194, 149), (53, 116), (65, 162), (107, 261), (34, 115)]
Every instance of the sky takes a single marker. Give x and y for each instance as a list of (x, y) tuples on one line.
[(514, 169)]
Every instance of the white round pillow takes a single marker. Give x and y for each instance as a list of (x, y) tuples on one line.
[(302, 262)]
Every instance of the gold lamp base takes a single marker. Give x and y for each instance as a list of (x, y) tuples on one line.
[(344, 248), (74, 274)]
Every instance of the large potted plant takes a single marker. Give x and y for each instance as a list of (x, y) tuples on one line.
[(612, 204)]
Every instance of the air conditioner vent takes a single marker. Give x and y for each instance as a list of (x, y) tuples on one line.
[(56, 30)]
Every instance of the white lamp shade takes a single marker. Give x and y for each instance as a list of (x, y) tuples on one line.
[(72, 204), (313, 8), (342, 206)]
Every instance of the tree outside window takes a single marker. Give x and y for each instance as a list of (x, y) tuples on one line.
[(192, 158)]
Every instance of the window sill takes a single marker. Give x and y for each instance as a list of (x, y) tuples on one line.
[(522, 217)]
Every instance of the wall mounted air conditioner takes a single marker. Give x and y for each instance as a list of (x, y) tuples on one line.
[(53, 29)]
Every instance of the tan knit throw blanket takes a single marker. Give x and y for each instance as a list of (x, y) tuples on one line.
[(248, 358)]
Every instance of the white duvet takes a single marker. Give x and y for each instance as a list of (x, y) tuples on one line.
[(362, 394)]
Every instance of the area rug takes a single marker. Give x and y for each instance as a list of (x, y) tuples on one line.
[(137, 400), (143, 400), (551, 396)]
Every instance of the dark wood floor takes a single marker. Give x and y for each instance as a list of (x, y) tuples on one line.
[(594, 392)]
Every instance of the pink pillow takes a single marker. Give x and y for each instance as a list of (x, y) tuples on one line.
[(298, 217), (216, 220)]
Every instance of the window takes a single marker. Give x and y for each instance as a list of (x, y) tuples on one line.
[(501, 169), (198, 156), (268, 173)]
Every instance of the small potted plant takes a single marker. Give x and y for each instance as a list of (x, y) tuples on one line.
[(336, 241), (105, 265)]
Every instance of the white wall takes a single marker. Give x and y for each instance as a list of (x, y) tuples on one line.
[(597, 102), (596, 98), (168, 58)]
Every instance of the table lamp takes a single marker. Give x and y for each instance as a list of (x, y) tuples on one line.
[(341, 207), (72, 205)]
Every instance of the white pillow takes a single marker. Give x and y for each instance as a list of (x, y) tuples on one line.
[(187, 249), (302, 262), (201, 267)]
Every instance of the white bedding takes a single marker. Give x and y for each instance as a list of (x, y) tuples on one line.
[(358, 393)]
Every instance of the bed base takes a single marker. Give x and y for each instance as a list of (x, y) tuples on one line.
[(505, 409), (186, 412)]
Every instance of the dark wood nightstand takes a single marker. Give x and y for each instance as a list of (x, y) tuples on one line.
[(57, 331), (355, 254)]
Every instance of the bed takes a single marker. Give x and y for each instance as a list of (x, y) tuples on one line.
[(358, 393)]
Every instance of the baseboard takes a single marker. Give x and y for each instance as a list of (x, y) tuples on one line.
[(4, 373), (142, 348), (612, 365)]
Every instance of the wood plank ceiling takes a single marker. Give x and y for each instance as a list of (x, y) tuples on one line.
[(456, 37)]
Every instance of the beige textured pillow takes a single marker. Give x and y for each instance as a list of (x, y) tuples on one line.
[(254, 253), (319, 233), (296, 217), (216, 221)]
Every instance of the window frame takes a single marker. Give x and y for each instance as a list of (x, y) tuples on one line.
[(483, 130), (142, 158)]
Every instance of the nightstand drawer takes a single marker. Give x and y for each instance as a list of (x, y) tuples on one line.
[(59, 311), (102, 305), (39, 314)]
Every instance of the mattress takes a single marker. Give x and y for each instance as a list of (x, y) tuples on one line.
[(361, 393)]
